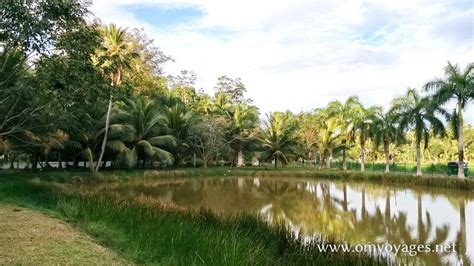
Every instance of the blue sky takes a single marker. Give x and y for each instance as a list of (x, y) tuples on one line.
[(300, 54)]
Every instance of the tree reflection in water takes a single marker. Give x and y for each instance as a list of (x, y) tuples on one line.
[(352, 212)]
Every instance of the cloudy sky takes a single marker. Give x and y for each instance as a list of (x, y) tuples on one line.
[(299, 54)]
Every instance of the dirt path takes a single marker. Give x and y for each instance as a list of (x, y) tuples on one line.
[(32, 238)]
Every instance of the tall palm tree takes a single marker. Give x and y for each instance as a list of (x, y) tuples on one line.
[(278, 137), (362, 122), (418, 113), (345, 113), (384, 131), (458, 85), (114, 57), (138, 132)]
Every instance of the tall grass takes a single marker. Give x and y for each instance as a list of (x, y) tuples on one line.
[(147, 233)]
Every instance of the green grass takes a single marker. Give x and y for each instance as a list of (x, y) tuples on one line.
[(287, 172), (147, 233)]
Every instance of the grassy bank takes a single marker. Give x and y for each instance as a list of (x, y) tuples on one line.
[(147, 232), (375, 177), (287, 172)]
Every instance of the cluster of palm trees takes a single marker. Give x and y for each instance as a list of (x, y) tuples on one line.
[(341, 127), (137, 127)]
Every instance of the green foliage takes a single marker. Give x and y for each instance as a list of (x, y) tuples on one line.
[(278, 137), (138, 132)]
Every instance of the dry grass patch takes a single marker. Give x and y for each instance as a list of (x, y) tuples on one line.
[(31, 238)]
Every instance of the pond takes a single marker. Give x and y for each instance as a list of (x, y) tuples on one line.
[(356, 212)]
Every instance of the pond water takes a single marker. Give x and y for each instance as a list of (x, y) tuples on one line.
[(356, 212)]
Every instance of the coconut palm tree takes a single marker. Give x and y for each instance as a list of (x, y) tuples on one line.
[(459, 86), (330, 141), (384, 131), (178, 120), (415, 112), (138, 132), (114, 57), (278, 137), (345, 114), (362, 122), (244, 119)]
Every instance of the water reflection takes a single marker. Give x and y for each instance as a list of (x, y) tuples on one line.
[(356, 212)]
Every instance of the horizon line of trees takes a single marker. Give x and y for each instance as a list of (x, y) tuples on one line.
[(73, 91)]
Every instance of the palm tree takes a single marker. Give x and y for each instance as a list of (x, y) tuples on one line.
[(458, 85), (178, 121), (113, 58), (413, 111), (244, 119), (278, 137), (330, 141), (384, 131), (138, 132), (345, 113), (362, 121)]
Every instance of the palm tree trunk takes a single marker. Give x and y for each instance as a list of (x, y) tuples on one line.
[(418, 158), (240, 158), (460, 141), (60, 162), (462, 231), (322, 161), (276, 160), (362, 157), (104, 142), (387, 156), (344, 202), (344, 162)]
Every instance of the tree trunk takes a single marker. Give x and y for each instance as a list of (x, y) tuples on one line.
[(60, 163), (194, 160), (35, 161), (322, 161), (362, 155), (276, 160), (344, 163), (104, 142), (460, 141), (240, 159), (418, 158), (344, 202), (462, 232), (387, 156)]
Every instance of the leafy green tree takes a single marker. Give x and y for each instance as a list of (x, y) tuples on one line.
[(345, 113), (207, 137), (278, 137), (415, 112), (31, 27), (384, 130), (458, 85), (114, 57), (138, 132)]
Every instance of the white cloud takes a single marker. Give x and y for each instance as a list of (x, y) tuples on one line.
[(299, 55)]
